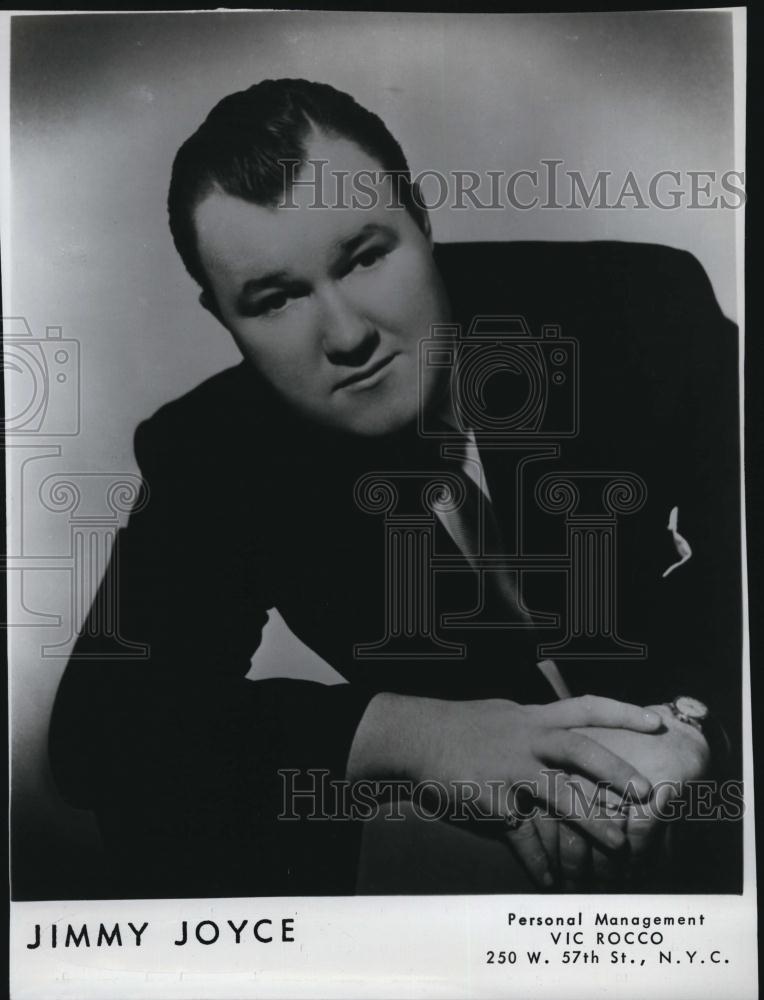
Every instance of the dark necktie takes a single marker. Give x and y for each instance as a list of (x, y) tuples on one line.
[(471, 522), (475, 530)]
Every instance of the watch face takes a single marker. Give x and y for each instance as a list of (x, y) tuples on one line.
[(691, 707)]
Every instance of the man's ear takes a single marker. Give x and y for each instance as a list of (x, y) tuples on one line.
[(207, 301), (420, 213)]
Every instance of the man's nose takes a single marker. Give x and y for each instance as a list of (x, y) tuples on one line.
[(349, 337)]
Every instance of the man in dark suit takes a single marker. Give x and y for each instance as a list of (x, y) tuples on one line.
[(261, 492)]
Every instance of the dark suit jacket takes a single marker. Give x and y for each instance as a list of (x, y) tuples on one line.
[(248, 508)]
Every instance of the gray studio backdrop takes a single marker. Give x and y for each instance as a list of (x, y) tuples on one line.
[(100, 104)]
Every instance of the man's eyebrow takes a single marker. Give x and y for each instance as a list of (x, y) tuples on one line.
[(270, 280)]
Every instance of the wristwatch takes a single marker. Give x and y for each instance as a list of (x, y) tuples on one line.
[(693, 712)]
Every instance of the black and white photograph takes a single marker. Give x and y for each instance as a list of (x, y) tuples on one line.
[(376, 601)]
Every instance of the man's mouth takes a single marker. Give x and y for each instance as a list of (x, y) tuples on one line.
[(367, 377)]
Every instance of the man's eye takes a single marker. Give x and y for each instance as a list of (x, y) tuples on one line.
[(269, 306), (369, 257)]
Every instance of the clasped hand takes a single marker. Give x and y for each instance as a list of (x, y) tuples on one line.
[(669, 758), (563, 756), (553, 752)]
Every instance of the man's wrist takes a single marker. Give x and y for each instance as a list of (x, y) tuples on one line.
[(692, 754), (694, 715), (674, 724)]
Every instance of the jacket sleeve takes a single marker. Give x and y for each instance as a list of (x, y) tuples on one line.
[(156, 727)]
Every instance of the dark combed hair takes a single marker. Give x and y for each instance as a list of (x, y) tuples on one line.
[(243, 143)]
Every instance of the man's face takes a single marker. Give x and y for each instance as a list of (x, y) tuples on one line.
[(328, 304)]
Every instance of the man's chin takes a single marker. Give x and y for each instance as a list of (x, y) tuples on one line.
[(379, 425), (380, 419)]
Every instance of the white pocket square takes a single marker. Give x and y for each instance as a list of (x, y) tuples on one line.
[(681, 544)]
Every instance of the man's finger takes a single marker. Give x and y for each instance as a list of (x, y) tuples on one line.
[(591, 710), (576, 752), (547, 830), (608, 868), (572, 799), (644, 823), (529, 850), (575, 854)]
